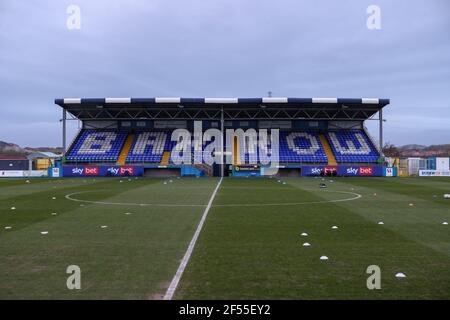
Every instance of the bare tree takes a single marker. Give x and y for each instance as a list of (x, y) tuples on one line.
[(390, 150)]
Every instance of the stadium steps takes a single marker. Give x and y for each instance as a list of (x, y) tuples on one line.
[(165, 158), (326, 146), (125, 149), (236, 158)]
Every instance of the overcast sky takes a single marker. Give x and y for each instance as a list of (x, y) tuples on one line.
[(225, 48)]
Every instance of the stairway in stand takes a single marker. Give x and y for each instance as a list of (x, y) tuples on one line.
[(326, 146), (121, 160), (165, 159)]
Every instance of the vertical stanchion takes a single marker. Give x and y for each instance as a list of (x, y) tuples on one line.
[(380, 115), (64, 118)]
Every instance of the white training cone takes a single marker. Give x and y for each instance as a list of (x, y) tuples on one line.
[(381, 222), (127, 213), (13, 208), (306, 244), (400, 275), (103, 227), (323, 258), (304, 234), (375, 194), (284, 182), (54, 213), (53, 198), (44, 232), (334, 227), (445, 223), (411, 204), (8, 227)]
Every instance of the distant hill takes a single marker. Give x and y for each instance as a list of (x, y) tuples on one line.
[(11, 149), (415, 150), (412, 147)]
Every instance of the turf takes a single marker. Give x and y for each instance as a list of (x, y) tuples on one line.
[(256, 252), (249, 248), (135, 257)]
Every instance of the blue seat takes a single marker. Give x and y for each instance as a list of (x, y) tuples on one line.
[(352, 146), (97, 145)]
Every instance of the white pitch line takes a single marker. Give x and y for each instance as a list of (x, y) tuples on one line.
[(70, 197), (176, 279), (355, 197)]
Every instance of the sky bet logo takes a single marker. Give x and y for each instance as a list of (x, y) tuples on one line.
[(88, 171), (363, 171), (121, 171), (113, 170), (126, 170), (316, 170), (77, 170)]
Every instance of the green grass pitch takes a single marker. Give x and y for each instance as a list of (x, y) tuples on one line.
[(250, 246)]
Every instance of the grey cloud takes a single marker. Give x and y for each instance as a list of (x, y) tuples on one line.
[(225, 48)]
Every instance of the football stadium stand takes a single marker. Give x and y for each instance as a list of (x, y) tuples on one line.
[(300, 147), (150, 146), (97, 146), (352, 146), (313, 132)]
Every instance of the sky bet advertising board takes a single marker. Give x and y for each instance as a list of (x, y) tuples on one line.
[(102, 171), (347, 171)]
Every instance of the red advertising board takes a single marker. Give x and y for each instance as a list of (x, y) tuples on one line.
[(365, 171), (91, 171), (126, 170)]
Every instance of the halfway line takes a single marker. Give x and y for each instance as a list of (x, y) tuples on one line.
[(176, 279)]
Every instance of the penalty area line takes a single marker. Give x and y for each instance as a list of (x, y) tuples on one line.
[(176, 279)]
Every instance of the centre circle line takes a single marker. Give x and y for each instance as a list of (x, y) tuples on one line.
[(355, 196)]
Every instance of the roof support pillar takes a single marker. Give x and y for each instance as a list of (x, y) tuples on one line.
[(380, 116), (64, 120)]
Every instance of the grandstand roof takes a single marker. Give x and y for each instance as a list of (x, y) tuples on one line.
[(40, 154), (234, 108)]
